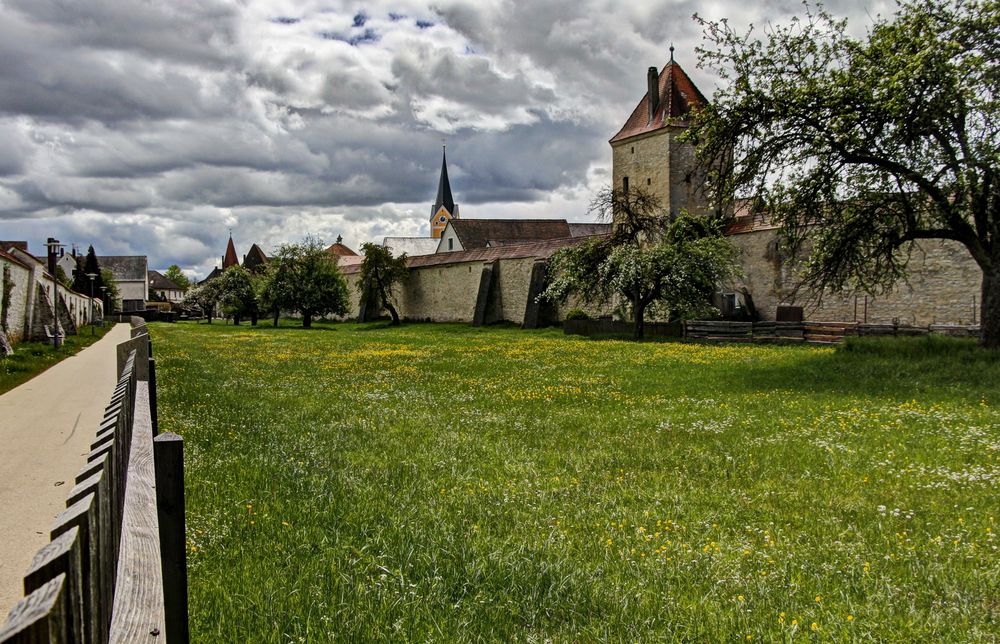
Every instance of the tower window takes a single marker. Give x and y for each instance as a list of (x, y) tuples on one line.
[(451, 243), (649, 182), (633, 149), (624, 184)]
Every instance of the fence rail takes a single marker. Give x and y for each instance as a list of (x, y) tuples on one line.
[(115, 568), (809, 331)]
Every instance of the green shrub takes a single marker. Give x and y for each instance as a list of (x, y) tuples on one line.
[(577, 314)]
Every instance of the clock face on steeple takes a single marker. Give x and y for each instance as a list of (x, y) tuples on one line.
[(440, 221)]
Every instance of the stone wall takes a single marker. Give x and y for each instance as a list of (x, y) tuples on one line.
[(32, 289), (15, 315), (441, 293), (448, 293), (943, 286)]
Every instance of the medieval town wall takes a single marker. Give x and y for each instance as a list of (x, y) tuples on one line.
[(448, 293), (943, 286), (18, 307), (24, 294)]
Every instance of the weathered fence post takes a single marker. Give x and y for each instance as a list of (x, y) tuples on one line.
[(168, 456), (152, 396)]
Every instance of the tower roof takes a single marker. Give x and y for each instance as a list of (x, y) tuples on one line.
[(444, 197), (340, 250), (255, 259), (230, 259), (678, 96)]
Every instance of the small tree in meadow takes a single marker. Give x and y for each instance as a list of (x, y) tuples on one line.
[(380, 272), (305, 278), (649, 259), (205, 297), (237, 296)]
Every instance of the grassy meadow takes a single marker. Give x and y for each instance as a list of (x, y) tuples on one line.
[(444, 482)]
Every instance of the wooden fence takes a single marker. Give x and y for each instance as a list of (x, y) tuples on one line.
[(609, 327), (813, 332), (115, 570)]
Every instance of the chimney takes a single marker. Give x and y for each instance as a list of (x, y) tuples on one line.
[(654, 92), (51, 246)]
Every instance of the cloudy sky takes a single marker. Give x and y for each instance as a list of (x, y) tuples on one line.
[(148, 127)]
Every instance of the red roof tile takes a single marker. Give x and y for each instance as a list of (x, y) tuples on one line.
[(340, 250), (678, 96), (230, 259)]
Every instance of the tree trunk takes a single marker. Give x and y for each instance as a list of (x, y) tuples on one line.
[(307, 320), (253, 319), (388, 306), (236, 320), (277, 314), (639, 311), (989, 318)]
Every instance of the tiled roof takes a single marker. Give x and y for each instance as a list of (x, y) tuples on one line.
[(10, 258), (230, 259), (344, 261), (477, 233), (745, 220), (538, 250), (411, 245), (124, 267), (584, 229), (216, 272), (7, 245), (340, 250), (158, 281), (254, 259), (678, 96)]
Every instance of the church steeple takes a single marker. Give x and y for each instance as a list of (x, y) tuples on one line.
[(230, 258), (444, 207)]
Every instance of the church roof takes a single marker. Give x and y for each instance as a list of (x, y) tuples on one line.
[(339, 249), (128, 268), (216, 272), (479, 233), (586, 229), (411, 245), (158, 281), (678, 96), (254, 259), (444, 197), (230, 259)]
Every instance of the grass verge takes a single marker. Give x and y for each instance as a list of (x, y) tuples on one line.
[(457, 483)]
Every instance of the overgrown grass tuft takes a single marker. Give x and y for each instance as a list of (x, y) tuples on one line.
[(456, 483), (32, 358)]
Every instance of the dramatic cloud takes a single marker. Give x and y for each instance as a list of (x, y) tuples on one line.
[(154, 127)]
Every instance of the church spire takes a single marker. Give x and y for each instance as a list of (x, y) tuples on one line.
[(230, 259), (444, 197), (444, 208)]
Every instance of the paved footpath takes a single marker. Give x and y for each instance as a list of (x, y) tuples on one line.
[(46, 428)]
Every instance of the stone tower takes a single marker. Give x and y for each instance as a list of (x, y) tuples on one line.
[(444, 208), (646, 153)]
